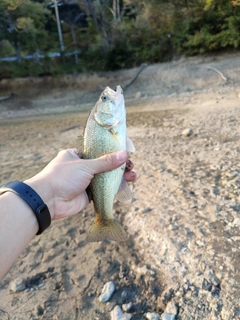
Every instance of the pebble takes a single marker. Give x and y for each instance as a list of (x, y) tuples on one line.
[(146, 210), (107, 291), (117, 314), (167, 316), (152, 316), (171, 308), (214, 280), (17, 285), (124, 294), (187, 132), (206, 285), (138, 95), (127, 306), (144, 270)]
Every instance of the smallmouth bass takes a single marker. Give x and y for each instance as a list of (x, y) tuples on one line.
[(105, 132)]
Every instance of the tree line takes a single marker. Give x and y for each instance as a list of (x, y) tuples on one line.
[(111, 34)]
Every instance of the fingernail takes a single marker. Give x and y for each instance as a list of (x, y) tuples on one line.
[(133, 175), (121, 156)]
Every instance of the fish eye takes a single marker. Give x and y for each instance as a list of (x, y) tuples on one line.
[(104, 98)]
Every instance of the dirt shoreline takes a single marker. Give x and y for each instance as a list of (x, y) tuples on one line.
[(183, 254)]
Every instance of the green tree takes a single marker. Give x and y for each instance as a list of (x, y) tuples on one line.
[(22, 22)]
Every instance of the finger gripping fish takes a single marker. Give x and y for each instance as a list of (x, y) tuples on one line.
[(105, 132)]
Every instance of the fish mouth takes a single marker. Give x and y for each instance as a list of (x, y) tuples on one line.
[(113, 94), (110, 108)]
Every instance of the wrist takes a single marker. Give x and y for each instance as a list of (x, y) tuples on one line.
[(18, 227), (20, 212)]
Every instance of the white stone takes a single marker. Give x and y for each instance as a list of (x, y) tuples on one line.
[(127, 306), (167, 316), (171, 308), (107, 291), (187, 132), (117, 314), (152, 316), (138, 95), (17, 285)]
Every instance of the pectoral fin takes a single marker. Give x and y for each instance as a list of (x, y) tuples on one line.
[(106, 229), (79, 145), (130, 145), (79, 140), (124, 193)]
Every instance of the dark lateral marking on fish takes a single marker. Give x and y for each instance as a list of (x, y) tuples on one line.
[(114, 134)]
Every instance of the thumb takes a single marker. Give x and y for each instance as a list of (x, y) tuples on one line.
[(107, 162)]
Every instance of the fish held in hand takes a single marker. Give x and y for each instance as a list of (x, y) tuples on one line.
[(105, 132)]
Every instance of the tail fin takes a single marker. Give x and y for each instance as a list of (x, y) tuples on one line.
[(108, 229)]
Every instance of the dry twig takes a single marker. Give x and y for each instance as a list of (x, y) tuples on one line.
[(220, 73), (11, 96), (143, 66)]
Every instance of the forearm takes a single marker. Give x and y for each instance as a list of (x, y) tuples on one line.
[(61, 186), (17, 228)]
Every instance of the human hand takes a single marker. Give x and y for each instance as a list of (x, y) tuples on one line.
[(62, 183)]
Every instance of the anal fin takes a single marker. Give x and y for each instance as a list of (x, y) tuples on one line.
[(124, 193)]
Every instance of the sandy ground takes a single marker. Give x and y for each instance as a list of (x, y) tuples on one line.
[(183, 252)]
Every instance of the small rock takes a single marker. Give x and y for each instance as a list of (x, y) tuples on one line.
[(167, 316), (138, 95), (172, 227), (171, 308), (214, 280), (146, 210), (207, 286), (152, 316), (144, 270), (117, 314), (215, 291), (167, 294), (107, 291), (41, 285), (187, 132), (17, 285), (40, 310), (127, 306), (124, 294)]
